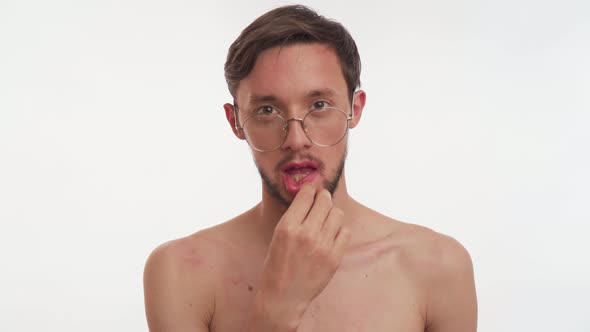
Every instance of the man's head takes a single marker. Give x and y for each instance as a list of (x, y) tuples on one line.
[(285, 26), (293, 76)]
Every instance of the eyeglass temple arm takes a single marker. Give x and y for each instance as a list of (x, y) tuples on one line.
[(237, 123), (351, 116)]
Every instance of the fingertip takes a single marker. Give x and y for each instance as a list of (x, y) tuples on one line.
[(324, 192), (308, 188), (306, 194)]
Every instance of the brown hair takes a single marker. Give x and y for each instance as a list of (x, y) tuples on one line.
[(288, 25)]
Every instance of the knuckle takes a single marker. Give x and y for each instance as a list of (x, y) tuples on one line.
[(280, 233), (336, 216), (283, 231), (346, 233), (343, 230), (325, 255), (335, 223), (338, 213), (330, 226), (332, 262), (305, 238)]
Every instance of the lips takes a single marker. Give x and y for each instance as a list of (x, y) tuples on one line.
[(295, 174)]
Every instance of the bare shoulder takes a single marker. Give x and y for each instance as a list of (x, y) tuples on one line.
[(432, 251), (444, 270), (179, 284)]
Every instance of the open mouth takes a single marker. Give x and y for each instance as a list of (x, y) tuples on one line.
[(295, 174)]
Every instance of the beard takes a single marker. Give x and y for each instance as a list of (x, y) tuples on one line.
[(330, 183)]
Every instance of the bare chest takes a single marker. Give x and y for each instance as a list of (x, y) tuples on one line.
[(370, 292), (362, 302)]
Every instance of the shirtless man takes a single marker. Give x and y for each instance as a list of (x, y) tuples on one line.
[(307, 257)]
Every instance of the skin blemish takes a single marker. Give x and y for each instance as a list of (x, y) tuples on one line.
[(192, 258), (250, 288), (194, 261)]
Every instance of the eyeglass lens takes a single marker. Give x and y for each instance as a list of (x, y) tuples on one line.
[(324, 127)]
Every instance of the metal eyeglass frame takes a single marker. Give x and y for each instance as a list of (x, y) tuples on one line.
[(286, 127)]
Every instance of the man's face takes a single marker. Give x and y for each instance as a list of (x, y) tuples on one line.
[(291, 81)]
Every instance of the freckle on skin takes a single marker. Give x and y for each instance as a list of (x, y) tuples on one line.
[(366, 275), (250, 288)]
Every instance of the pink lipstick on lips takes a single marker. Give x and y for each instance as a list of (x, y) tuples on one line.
[(296, 173)]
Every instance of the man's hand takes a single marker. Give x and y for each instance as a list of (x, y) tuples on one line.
[(306, 249)]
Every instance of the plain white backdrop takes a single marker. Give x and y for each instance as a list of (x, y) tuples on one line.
[(113, 140)]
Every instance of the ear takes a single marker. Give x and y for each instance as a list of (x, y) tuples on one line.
[(230, 115), (358, 105)]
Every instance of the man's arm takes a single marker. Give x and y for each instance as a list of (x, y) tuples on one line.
[(452, 303), (178, 293)]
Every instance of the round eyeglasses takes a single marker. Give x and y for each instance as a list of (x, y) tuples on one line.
[(324, 127)]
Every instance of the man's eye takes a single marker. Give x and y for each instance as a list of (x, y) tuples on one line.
[(320, 104), (265, 110)]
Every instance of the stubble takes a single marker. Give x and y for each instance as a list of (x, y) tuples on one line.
[(330, 183)]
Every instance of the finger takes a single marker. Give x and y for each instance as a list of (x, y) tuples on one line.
[(331, 226), (301, 204), (341, 242), (319, 211)]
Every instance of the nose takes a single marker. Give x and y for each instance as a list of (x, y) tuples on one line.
[(295, 138)]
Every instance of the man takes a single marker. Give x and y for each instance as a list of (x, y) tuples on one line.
[(308, 257)]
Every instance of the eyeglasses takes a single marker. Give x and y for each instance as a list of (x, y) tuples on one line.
[(266, 132)]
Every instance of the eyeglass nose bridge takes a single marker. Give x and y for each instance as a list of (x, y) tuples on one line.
[(286, 125), (286, 129)]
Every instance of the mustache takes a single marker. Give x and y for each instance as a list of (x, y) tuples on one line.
[(292, 157)]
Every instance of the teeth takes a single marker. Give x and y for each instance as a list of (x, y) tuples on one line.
[(299, 176)]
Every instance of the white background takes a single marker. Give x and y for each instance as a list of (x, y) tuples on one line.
[(113, 140)]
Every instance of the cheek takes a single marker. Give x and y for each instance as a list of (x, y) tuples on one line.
[(335, 157), (265, 161)]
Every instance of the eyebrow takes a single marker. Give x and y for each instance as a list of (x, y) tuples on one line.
[(254, 99), (321, 93)]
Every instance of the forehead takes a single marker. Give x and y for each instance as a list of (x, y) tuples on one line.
[(291, 73)]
